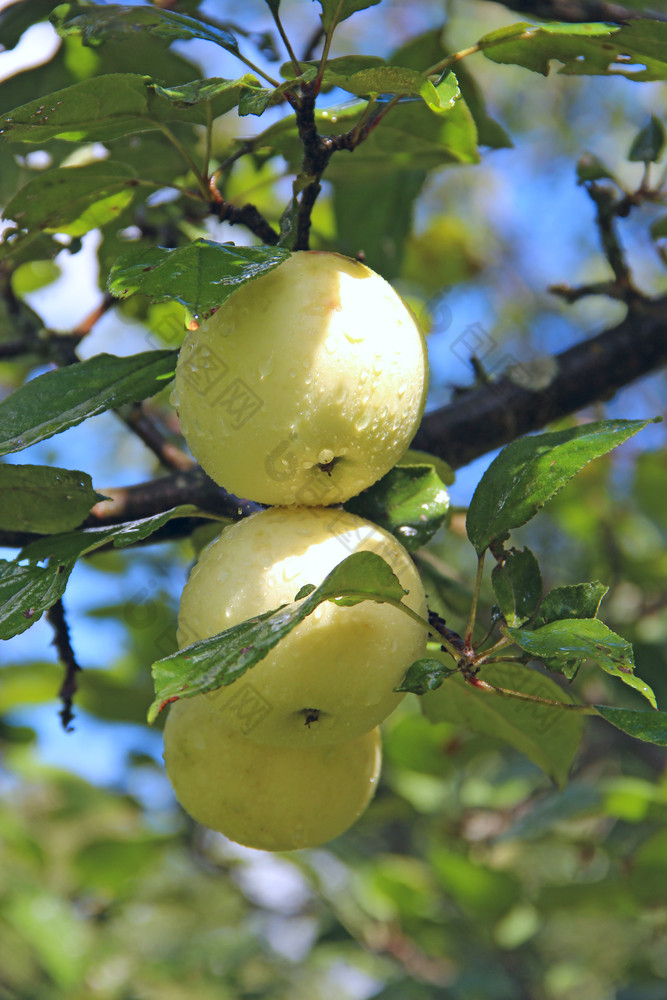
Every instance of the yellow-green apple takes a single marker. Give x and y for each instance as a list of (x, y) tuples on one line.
[(271, 798), (333, 676), (306, 385)]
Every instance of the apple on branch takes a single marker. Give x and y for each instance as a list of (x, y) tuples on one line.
[(306, 385), (331, 678), (270, 798)]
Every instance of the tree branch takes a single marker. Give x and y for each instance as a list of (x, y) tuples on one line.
[(580, 11), (130, 503), (61, 640), (492, 415), (479, 420), (247, 215)]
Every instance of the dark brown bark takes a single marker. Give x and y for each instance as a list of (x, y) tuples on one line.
[(580, 11)]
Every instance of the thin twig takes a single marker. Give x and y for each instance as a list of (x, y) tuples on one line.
[(61, 640), (286, 42), (247, 215), (483, 685), (475, 600), (138, 421), (14, 348)]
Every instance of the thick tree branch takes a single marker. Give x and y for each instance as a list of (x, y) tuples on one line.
[(129, 503), (580, 11), (490, 416)]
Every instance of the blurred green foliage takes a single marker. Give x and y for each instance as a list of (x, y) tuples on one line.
[(471, 876)]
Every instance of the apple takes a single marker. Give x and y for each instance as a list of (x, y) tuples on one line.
[(271, 798), (333, 676), (306, 385)]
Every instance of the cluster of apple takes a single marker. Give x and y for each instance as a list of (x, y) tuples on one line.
[(302, 389)]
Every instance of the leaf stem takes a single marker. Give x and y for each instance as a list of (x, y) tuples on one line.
[(256, 69), (286, 42), (475, 600), (209, 139), (483, 685), (501, 644), (176, 142), (328, 38), (439, 67)]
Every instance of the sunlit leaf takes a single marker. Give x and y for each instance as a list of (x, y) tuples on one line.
[(201, 275), (568, 642), (531, 470), (73, 200), (517, 584), (410, 501)]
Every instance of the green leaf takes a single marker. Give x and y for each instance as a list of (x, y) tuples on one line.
[(116, 21), (335, 11), (649, 143), (636, 52), (394, 80), (579, 600), (26, 592), (97, 109), (413, 456), (107, 107), (569, 641), (63, 398), (254, 100), (43, 499), (220, 660), (591, 168), (73, 200), (648, 726), (201, 275), (199, 100), (18, 17), (549, 736), (534, 46), (273, 5), (426, 674), (530, 471), (517, 584), (65, 548), (411, 502), (434, 137), (659, 228)]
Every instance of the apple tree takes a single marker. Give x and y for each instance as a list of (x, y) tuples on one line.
[(499, 164)]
